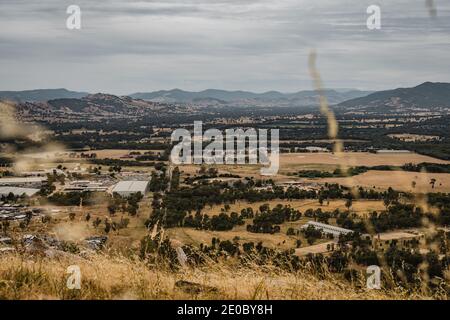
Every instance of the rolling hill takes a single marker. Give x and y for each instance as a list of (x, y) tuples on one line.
[(429, 95), (92, 105), (40, 95)]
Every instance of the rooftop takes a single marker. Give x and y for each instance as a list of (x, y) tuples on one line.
[(18, 191), (22, 180), (131, 186), (329, 227)]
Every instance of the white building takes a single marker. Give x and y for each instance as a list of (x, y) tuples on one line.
[(326, 228), (43, 173), (85, 186), (30, 182), (5, 191), (316, 149), (393, 151), (127, 188)]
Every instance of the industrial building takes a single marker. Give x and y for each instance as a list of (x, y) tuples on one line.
[(29, 182), (393, 151), (5, 191), (127, 188), (85, 186), (326, 228)]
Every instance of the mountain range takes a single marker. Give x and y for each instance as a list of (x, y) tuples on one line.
[(427, 95), (213, 96), (203, 98)]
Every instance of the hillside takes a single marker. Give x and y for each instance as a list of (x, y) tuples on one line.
[(427, 95), (93, 105), (109, 277), (40, 95)]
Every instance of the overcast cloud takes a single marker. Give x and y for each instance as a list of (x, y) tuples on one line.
[(258, 45)]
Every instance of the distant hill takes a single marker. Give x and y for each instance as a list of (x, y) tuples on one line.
[(177, 95), (272, 98), (427, 95), (40, 95), (210, 97), (98, 104)]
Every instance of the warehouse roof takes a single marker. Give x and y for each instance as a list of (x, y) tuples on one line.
[(4, 191), (131, 186), (393, 151), (326, 227), (22, 180)]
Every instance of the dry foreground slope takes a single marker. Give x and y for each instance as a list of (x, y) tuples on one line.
[(107, 277)]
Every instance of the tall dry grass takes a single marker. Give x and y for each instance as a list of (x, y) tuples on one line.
[(116, 277)]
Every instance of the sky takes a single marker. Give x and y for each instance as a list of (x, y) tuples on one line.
[(257, 45)]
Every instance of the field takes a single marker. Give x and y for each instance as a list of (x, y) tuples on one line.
[(398, 180), (293, 162), (239, 234), (314, 249), (353, 159)]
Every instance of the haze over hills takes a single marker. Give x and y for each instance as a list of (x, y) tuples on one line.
[(209, 97), (40, 95), (427, 95), (214, 96), (431, 95)]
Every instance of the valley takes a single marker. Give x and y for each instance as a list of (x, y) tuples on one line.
[(101, 183)]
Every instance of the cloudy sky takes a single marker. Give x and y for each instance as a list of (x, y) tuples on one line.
[(259, 45)]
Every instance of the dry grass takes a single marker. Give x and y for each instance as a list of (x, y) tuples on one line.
[(294, 162), (109, 277), (354, 159), (398, 180), (196, 237)]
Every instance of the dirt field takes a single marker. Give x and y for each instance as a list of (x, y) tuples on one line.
[(196, 237), (398, 180), (314, 249), (293, 162), (354, 159)]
